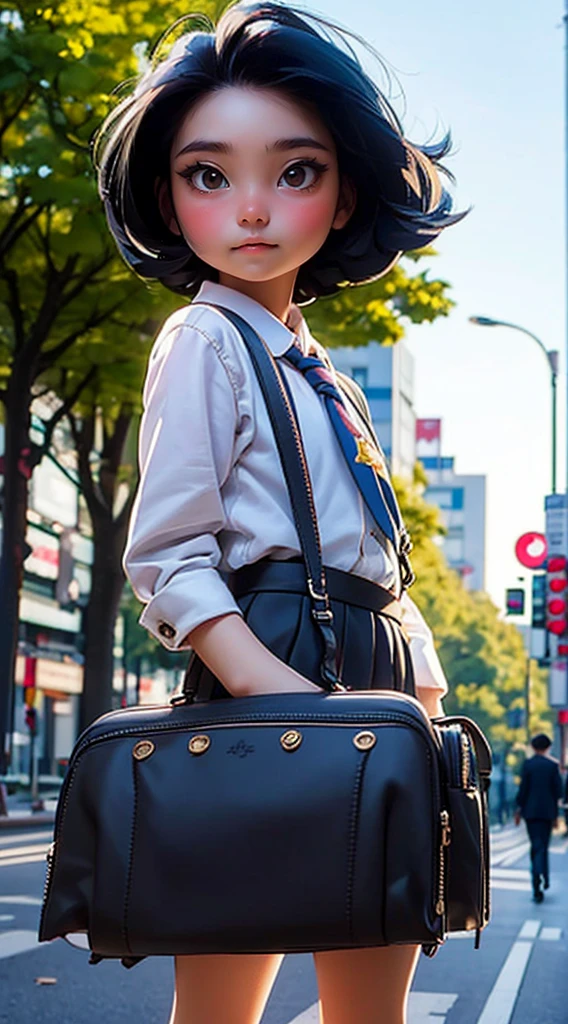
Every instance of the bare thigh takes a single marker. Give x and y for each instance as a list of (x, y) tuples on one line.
[(218, 989), (369, 986)]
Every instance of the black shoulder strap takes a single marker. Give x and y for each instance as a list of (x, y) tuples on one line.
[(295, 468)]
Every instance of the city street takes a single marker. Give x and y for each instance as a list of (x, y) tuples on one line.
[(518, 976)]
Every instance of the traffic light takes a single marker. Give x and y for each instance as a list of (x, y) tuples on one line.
[(31, 719), (538, 620), (556, 598), (515, 601)]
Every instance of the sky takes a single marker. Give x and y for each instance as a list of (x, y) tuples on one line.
[(493, 73)]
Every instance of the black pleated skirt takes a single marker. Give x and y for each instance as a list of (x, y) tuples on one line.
[(372, 650)]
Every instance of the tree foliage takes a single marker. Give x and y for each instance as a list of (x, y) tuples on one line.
[(482, 655)]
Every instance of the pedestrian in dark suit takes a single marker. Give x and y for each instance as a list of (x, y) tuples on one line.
[(537, 802)]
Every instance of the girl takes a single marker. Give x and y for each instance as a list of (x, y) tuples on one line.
[(257, 167)]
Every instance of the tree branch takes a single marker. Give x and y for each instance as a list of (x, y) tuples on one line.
[(17, 109), (111, 455), (83, 438), (50, 355), (16, 227), (66, 406), (13, 303)]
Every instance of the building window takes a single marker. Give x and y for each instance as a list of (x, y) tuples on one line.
[(360, 375), (446, 497)]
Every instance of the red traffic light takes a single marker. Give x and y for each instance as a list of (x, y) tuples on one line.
[(557, 626), (562, 650), (558, 584), (557, 606), (557, 563)]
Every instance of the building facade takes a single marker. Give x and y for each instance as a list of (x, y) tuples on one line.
[(386, 374), (461, 500)]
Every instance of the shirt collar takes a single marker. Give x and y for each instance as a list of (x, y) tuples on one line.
[(277, 335)]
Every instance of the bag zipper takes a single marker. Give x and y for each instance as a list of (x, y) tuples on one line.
[(445, 841), (465, 760)]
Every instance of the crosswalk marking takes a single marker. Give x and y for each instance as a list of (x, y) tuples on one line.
[(20, 851), (30, 858), (26, 837), (422, 1006), (501, 1002), (521, 874), (505, 883), (551, 934), (22, 901), (14, 942), (530, 930)]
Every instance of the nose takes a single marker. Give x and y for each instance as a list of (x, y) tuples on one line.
[(253, 212)]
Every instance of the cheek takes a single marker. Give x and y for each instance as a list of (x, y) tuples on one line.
[(311, 217), (202, 221)]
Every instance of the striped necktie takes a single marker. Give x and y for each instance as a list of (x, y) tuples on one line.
[(364, 459)]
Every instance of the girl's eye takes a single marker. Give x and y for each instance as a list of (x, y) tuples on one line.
[(303, 175), (204, 178)]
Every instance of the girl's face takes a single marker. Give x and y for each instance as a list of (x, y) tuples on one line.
[(255, 184)]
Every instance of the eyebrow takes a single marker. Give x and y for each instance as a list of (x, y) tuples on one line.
[(281, 145)]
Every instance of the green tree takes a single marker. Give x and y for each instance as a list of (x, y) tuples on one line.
[(483, 656)]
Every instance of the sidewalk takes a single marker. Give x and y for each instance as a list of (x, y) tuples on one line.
[(20, 814)]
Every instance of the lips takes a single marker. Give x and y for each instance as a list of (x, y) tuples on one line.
[(256, 243)]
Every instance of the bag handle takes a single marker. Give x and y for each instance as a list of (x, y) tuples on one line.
[(288, 438)]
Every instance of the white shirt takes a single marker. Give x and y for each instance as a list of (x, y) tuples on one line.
[(212, 495)]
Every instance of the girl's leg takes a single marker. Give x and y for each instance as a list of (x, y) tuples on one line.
[(369, 986), (218, 989)]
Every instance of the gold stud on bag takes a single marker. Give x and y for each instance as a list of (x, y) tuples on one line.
[(143, 749), (365, 740), (291, 740), (199, 744)]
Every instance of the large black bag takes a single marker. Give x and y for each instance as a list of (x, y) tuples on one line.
[(292, 822)]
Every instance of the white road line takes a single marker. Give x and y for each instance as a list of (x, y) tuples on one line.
[(506, 883), (521, 874), (19, 851), (529, 930), (21, 901), (551, 934), (6, 917), (503, 996), (26, 837), (508, 858), (559, 849), (29, 859), (14, 942), (421, 1006)]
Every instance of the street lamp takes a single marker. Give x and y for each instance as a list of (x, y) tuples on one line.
[(552, 360)]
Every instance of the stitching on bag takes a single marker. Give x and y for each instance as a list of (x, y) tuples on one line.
[(352, 848), (130, 857)]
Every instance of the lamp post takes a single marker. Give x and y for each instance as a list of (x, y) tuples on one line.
[(552, 360)]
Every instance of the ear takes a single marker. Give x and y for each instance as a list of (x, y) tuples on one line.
[(345, 204), (165, 206)]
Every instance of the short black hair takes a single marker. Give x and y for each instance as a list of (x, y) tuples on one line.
[(541, 741), (401, 204)]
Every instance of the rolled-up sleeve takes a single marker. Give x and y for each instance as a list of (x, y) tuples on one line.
[(186, 452), (428, 671)]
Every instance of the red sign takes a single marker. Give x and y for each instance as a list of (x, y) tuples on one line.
[(531, 550), (428, 430)]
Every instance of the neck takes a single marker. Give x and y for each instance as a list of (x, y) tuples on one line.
[(275, 296)]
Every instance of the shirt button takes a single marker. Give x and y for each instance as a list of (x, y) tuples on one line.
[(167, 631)]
